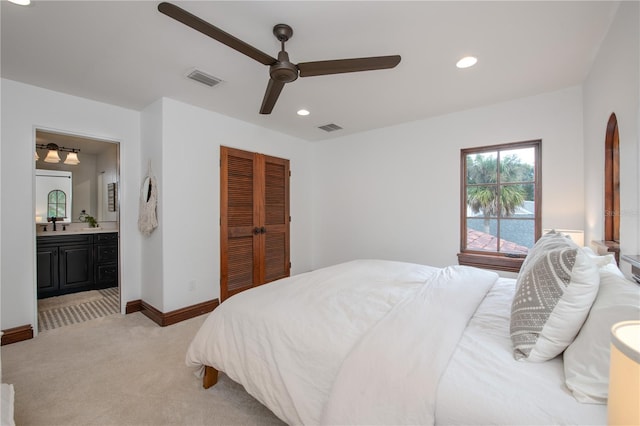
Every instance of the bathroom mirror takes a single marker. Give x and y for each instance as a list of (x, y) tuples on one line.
[(53, 196), (95, 177)]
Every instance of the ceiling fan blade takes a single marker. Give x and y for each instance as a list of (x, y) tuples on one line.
[(309, 69), (271, 96), (216, 33)]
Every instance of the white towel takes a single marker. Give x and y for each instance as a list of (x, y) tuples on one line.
[(148, 220)]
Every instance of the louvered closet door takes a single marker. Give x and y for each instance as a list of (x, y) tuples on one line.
[(254, 220), (238, 213), (276, 218)]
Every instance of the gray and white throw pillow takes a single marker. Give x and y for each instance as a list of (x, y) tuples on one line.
[(553, 297), (550, 241)]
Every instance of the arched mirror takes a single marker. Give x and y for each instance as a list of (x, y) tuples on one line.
[(57, 204)]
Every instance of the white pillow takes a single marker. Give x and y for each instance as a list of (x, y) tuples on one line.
[(603, 260), (553, 297), (586, 360)]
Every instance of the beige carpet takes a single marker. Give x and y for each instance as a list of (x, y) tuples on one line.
[(120, 370)]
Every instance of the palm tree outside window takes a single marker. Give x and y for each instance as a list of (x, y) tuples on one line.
[(500, 203)]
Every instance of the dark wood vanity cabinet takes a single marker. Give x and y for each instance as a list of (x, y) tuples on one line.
[(106, 260), (47, 266), (76, 262)]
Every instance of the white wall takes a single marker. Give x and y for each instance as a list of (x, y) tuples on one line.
[(394, 193), (151, 163), (189, 182), (24, 108), (613, 87)]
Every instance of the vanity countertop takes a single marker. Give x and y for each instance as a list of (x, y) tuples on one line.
[(75, 231)]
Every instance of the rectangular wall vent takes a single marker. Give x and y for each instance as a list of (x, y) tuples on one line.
[(204, 78), (330, 127)]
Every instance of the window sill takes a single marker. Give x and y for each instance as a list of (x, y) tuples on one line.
[(487, 261), (604, 247)]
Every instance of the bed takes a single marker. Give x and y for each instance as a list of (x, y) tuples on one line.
[(384, 342)]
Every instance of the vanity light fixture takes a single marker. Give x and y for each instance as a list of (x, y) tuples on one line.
[(53, 155), (466, 62)]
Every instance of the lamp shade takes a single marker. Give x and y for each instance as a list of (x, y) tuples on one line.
[(52, 157), (624, 374), (72, 158)]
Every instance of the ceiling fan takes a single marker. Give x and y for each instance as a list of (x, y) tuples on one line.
[(281, 70)]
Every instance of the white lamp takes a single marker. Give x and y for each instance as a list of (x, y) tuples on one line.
[(624, 374), (72, 158), (52, 155)]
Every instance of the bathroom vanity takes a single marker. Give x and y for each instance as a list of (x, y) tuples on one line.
[(69, 262)]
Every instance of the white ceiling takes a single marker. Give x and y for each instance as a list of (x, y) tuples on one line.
[(127, 53)]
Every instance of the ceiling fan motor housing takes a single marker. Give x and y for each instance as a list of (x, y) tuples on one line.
[(283, 32), (283, 70)]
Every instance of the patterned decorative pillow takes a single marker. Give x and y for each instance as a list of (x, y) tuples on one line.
[(553, 297), (550, 241)]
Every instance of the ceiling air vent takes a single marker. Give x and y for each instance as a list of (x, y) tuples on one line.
[(204, 78), (330, 127)]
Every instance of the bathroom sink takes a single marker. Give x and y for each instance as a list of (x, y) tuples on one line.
[(74, 231)]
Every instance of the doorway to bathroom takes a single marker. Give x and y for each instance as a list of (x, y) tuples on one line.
[(76, 205)]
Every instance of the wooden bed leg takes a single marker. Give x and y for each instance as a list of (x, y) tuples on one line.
[(210, 377)]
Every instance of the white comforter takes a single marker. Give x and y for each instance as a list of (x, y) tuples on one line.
[(391, 376), (286, 342)]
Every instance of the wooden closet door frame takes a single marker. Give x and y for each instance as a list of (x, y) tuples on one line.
[(259, 228)]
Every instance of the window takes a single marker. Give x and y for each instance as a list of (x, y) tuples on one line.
[(57, 204), (612, 182), (612, 188), (500, 204)]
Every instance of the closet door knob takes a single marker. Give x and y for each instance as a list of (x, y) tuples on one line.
[(263, 230), (256, 230)]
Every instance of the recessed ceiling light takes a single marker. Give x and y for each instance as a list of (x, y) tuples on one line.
[(466, 62), (303, 112), (21, 2)]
